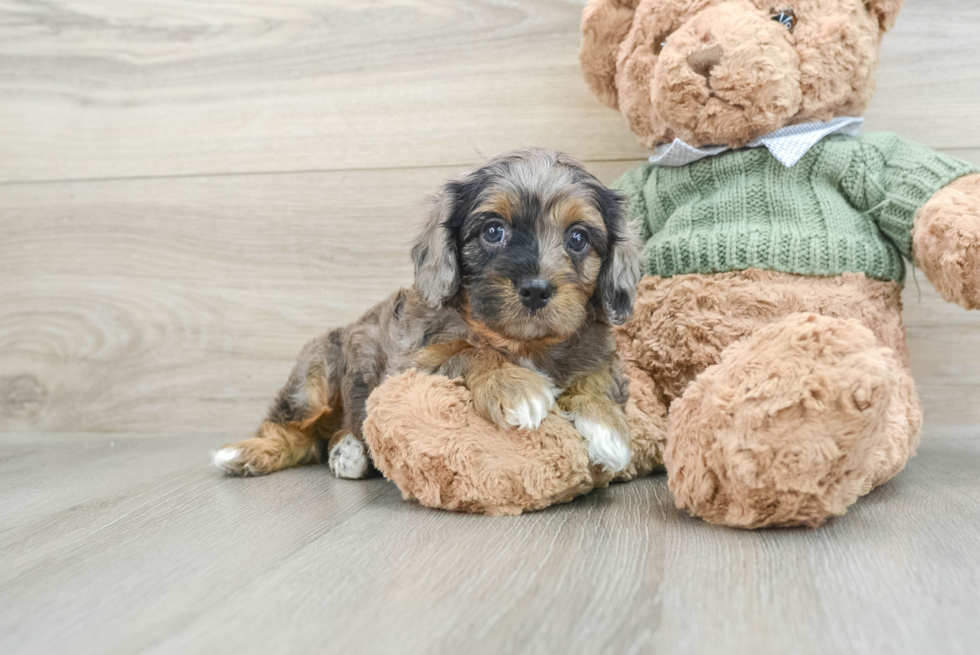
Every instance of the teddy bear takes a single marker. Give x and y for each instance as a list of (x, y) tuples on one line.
[(766, 355), (769, 323)]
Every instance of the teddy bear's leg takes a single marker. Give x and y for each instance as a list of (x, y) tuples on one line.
[(791, 426), (902, 434), (427, 436), (646, 415)]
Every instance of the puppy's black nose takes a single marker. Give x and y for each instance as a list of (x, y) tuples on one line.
[(535, 292)]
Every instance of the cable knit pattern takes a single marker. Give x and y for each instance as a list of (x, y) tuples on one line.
[(847, 207)]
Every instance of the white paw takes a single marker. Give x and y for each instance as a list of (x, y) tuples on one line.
[(607, 447), (348, 458), (227, 460), (528, 413)]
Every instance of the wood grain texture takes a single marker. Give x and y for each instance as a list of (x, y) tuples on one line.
[(178, 305), (122, 545), (190, 190), (100, 88)]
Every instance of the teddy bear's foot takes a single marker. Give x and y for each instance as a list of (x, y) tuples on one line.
[(427, 436), (792, 426)]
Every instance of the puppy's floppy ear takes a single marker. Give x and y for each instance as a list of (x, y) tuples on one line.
[(435, 252), (886, 11), (605, 24), (620, 272)]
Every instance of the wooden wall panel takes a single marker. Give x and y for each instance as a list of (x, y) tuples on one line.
[(100, 88)]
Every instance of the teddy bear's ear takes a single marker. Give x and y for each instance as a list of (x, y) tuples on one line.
[(604, 26), (886, 11)]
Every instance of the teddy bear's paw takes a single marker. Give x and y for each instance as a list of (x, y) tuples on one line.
[(608, 446), (946, 241), (348, 458)]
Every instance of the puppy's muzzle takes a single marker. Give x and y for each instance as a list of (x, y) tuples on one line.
[(535, 292)]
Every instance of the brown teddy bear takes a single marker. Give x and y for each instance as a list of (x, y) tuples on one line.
[(770, 323), (767, 349)]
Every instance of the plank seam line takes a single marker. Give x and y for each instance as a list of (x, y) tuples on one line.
[(307, 171)]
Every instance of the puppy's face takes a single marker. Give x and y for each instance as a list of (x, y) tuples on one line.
[(530, 261), (525, 245)]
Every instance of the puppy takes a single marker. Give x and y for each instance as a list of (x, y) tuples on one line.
[(520, 268)]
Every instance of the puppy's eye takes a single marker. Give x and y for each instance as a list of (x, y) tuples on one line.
[(659, 44), (578, 240), (786, 18), (494, 232)]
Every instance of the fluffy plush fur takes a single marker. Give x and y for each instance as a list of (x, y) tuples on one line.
[(428, 438), (789, 396), (521, 266), (723, 71), (947, 241)]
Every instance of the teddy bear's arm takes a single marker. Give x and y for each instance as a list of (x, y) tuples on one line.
[(946, 241), (891, 178)]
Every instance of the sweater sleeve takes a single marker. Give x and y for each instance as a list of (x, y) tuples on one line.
[(630, 185), (892, 178)]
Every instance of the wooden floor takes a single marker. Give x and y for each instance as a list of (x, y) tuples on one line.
[(122, 544), (190, 190)]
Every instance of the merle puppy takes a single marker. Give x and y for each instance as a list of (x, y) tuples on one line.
[(520, 268)]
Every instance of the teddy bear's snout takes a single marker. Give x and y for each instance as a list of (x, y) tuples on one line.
[(703, 60), (726, 77)]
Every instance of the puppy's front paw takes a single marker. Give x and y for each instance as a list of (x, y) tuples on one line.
[(515, 398), (527, 413), (608, 446)]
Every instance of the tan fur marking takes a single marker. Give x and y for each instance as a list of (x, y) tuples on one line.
[(275, 448), (571, 210), (317, 395), (500, 203), (589, 395), (521, 348), (566, 306), (515, 346), (437, 354)]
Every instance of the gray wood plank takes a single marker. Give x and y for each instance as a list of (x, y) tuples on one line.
[(149, 87), (138, 547)]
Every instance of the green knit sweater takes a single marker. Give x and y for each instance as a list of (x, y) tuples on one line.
[(847, 206)]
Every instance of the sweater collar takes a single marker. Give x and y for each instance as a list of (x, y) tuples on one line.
[(788, 144)]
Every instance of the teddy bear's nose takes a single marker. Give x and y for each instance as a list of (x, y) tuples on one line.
[(703, 60)]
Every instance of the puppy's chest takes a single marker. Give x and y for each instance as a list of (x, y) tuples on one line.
[(563, 364)]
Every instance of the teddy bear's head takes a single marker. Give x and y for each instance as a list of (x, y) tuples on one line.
[(727, 71)]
